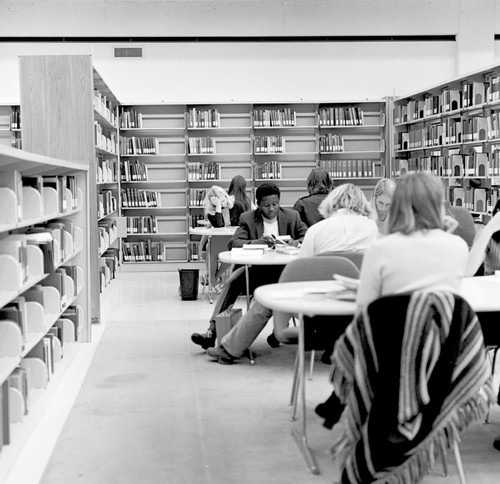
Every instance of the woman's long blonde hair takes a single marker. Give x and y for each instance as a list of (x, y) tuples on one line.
[(348, 197)]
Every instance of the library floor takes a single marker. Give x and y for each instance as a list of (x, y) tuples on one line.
[(153, 409)]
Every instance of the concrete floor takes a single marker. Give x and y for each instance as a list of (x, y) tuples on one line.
[(154, 409)]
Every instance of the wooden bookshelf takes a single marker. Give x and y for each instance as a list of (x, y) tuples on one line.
[(453, 131), (44, 288), (185, 149)]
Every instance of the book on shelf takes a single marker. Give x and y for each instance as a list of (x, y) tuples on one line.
[(330, 143), (269, 144), (16, 246), (265, 118), (341, 116), (16, 312), (130, 118), (13, 180), (18, 380), (5, 414), (74, 314), (15, 117), (203, 118), (139, 145), (207, 170), (268, 170), (134, 171), (201, 145), (44, 350), (35, 294)]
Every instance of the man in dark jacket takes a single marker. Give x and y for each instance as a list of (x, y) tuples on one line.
[(259, 226)]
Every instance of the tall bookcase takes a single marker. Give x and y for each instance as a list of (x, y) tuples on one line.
[(76, 119), (453, 130), (10, 125), (44, 286), (171, 153)]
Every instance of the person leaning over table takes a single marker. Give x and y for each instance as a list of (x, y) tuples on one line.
[(258, 226), (348, 226), (418, 253), (381, 201)]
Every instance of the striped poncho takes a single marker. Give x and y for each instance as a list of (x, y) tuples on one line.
[(413, 373)]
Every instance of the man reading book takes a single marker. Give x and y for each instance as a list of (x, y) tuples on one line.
[(260, 226)]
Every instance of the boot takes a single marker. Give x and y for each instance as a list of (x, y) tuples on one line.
[(206, 340)]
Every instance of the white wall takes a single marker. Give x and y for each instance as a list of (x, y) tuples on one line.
[(240, 72)]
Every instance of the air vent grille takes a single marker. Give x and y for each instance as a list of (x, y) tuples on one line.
[(128, 51)]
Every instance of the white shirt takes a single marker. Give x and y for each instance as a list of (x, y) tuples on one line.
[(398, 263), (342, 231), (271, 227)]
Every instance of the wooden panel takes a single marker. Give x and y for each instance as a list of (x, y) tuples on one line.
[(57, 106)]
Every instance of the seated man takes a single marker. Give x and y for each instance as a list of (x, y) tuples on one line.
[(348, 226), (258, 226)]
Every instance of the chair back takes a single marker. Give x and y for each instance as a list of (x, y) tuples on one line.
[(356, 257), (318, 269)]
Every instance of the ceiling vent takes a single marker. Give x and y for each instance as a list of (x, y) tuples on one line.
[(121, 52)]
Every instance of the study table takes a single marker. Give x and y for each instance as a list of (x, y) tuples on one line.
[(210, 232), (249, 257), (309, 299)]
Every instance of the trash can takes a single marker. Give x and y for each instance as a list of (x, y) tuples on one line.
[(189, 280)]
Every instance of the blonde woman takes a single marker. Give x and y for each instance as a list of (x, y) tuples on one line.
[(381, 201)]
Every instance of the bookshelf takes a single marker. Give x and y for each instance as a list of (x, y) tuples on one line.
[(452, 130), (107, 170), (44, 288), (10, 125), (171, 153)]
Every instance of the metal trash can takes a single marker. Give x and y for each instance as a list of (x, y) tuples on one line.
[(188, 284)]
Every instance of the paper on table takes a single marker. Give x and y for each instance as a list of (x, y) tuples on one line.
[(347, 282)]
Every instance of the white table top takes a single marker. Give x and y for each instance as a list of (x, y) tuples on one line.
[(212, 231), (482, 293), (256, 258)]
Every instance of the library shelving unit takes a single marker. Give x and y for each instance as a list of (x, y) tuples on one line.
[(153, 185), (44, 286), (107, 179), (171, 153), (10, 125), (452, 130)]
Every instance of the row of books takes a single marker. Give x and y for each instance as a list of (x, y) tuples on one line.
[(454, 165), (106, 203), (104, 140), (130, 118), (15, 117), (139, 145), (203, 118), (105, 107), (133, 171), (353, 168), (194, 220), (470, 94), (197, 197), (108, 233), (208, 170), (144, 251), (134, 197), (450, 131), (107, 170), (341, 116), (268, 170), (142, 225), (194, 251), (476, 199), (330, 143), (269, 144), (264, 118), (108, 266), (201, 146)]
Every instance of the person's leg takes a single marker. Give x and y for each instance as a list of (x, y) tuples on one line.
[(245, 331), (282, 330), (230, 292), (217, 244)]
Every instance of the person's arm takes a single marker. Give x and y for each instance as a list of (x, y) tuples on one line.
[(299, 230), (478, 249), (216, 220)]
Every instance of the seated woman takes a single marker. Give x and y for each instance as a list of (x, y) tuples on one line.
[(417, 254), (223, 210), (348, 226), (319, 185), (381, 201)]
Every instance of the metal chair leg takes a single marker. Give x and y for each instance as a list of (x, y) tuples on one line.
[(493, 363), (443, 458), (293, 396), (311, 364)]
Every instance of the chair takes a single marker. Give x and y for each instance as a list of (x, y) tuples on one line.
[(314, 269), (408, 369), (356, 257)]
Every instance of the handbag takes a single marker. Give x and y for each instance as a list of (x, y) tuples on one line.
[(225, 321)]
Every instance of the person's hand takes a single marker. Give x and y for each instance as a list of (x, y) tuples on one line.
[(450, 224), (267, 239), (216, 203), (294, 243)]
